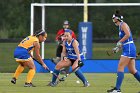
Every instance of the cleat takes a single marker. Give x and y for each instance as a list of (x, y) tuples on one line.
[(13, 80), (114, 90), (52, 84), (29, 85), (86, 84)]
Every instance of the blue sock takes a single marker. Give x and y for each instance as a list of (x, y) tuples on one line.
[(54, 77), (80, 75), (120, 76), (137, 76)]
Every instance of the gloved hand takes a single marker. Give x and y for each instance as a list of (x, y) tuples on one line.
[(119, 44), (80, 63), (116, 49)]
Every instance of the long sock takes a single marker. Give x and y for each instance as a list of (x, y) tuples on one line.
[(120, 76), (80, 75), (30, 75), (54, 77), (18, 71), (137, 75)]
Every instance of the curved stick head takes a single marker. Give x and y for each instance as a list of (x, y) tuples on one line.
[(62, 79)]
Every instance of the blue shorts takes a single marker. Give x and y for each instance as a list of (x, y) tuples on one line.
[(21, 54), (129, 50)]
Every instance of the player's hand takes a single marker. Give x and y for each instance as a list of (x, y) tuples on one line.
[(116, 49), (44, 66), (119, 44), (80, 63)]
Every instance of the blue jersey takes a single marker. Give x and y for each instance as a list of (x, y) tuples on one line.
[(128, 47), (71, 52), (122, 34)]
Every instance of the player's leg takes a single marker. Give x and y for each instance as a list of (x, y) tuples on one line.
[(60, 65), (132, 69), (18, 71), (120, 74), (31, 73), (79, 74)]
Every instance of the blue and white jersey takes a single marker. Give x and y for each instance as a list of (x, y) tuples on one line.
[(128, 47), (71, 52), (122, 34)]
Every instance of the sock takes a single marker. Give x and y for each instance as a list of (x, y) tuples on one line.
[(120, 76), (18, 71), (80, 75), (54, 77), (137, 76), (30, 75)]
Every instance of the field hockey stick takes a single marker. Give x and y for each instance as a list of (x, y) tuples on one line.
[(111, 52), (80, 64), (65, 76), (48, 70), (138, 54)]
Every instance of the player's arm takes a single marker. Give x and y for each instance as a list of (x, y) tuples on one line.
[(125, 28), (63, 54), (76, 49), (37, 53)]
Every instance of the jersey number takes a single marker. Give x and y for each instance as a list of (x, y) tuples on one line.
[(27, 38)]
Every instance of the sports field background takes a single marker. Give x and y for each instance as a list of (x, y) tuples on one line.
[(8, 63), (99, 84)]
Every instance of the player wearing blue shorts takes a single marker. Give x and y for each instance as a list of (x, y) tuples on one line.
[(128, 52), (22, 55), (71, 51)]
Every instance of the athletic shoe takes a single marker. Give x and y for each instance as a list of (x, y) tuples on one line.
[(114, 90), (86, 84), (13, 80), (52, 84), (29, 85)]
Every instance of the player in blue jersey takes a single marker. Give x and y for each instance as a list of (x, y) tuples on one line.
[(128, 52), (72, 56)]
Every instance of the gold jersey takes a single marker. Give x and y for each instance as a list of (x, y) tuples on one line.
[(27, 43)]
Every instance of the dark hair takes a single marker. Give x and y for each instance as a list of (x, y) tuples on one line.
[(40, 32), (118, 15)]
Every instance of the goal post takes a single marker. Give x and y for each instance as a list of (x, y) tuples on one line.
[(43, 5)]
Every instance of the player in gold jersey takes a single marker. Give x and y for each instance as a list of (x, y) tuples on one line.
[(22, 55)]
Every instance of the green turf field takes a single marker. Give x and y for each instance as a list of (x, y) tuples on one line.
[(8, 63), (99, 84)]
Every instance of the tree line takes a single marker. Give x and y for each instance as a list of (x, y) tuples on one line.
[(15, 18)]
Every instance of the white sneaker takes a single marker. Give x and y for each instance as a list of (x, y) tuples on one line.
[(86, 84), (114, 90)]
